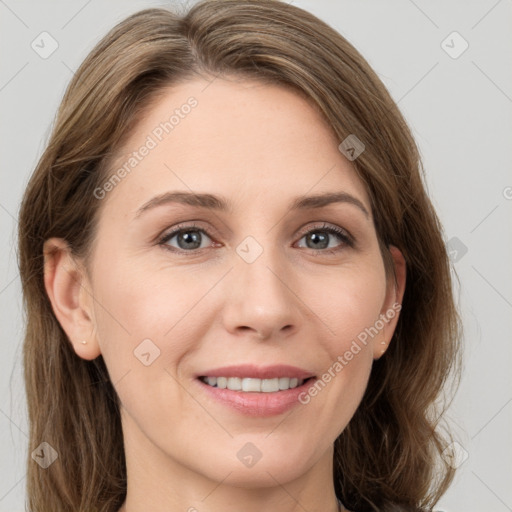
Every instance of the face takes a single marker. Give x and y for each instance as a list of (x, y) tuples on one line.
[(184, 287)]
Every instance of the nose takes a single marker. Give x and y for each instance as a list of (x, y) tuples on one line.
[(260, 299)]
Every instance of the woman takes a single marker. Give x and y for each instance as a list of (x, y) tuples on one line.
[(237, 292)]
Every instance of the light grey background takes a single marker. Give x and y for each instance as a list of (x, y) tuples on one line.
[(460, 113)]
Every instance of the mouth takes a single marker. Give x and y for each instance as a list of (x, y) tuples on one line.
[(256, 391), (254, 385)]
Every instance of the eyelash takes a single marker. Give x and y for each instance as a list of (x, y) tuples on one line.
[(345, 238)]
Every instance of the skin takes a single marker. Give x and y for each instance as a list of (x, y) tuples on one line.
[(259, 146)]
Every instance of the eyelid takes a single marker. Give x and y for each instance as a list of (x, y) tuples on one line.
[(327, 226), (182, 226)]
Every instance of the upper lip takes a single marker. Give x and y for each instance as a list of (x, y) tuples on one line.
[(258, 372)]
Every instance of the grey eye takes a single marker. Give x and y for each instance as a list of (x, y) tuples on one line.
[(187, 239)]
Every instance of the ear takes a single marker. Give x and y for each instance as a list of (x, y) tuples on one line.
[(70, 296), (392, 304)]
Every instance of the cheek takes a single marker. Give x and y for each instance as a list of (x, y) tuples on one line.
[(143, 310), (144, 333), (349, 304), (350, 312)]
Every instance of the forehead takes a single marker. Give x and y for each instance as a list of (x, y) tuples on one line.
[(233, 138)]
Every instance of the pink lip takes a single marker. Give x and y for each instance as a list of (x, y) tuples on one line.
[(258, 372), (254, 403)]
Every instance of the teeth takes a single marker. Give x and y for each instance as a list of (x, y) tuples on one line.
[(253, 385), (211, 380), (234, 383)]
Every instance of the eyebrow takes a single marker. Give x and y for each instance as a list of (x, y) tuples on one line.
[(212, 202)]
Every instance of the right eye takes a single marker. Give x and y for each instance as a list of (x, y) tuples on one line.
[(188, 239)]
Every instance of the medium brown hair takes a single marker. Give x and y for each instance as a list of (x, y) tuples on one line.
[(388, 457)]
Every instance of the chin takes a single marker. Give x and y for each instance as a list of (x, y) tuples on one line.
[(259, 476), (251, 467)]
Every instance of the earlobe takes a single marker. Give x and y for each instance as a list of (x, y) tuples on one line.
[(393, 302), (65, 284)]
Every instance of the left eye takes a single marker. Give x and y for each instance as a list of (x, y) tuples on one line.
[(318, 238)]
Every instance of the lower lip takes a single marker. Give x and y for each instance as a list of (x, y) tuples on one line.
[(258, 403)]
